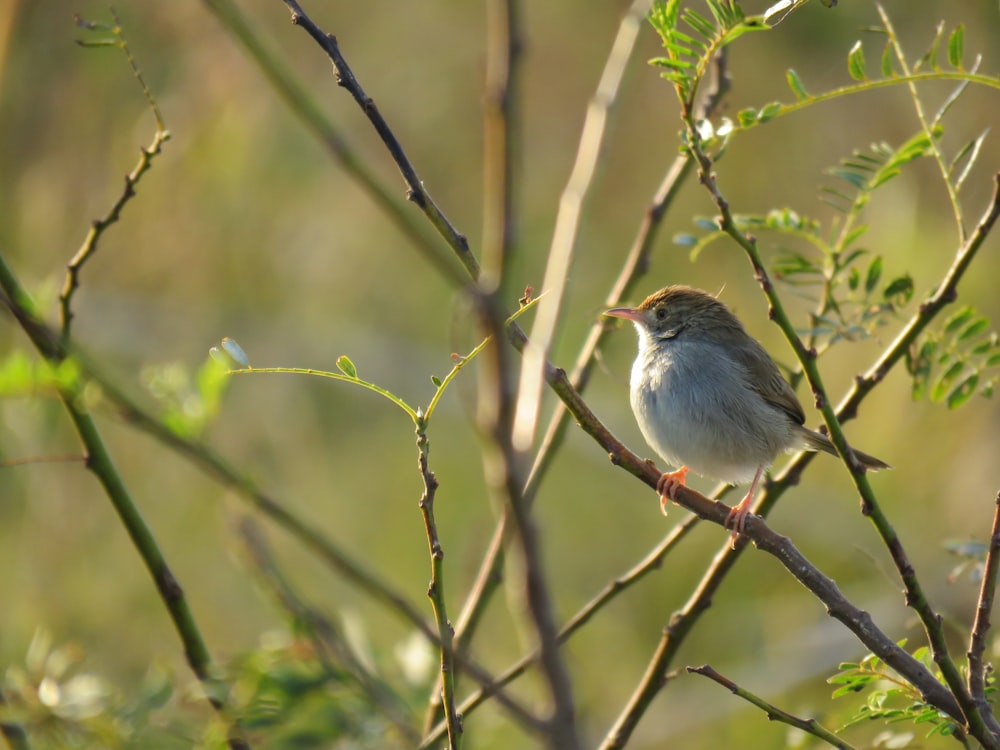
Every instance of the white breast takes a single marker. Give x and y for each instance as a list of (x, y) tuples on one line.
[(695, 408)]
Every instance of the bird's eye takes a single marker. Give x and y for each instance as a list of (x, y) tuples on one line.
[(661, 313)]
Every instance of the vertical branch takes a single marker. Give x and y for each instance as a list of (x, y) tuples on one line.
[(502, 461), (635, 266), (505, 481), (435, 590), (981, 624), (501, 137), (563, 246)]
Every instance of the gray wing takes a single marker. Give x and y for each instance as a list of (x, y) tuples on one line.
[(767, 380)]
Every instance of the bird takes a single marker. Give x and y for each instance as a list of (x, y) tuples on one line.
[(708, 397)]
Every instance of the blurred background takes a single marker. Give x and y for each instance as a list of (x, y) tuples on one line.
[(246, 228)]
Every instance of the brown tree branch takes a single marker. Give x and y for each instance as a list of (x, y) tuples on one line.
[(981, 623), (416, 192)]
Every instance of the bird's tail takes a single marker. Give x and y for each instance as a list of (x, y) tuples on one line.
[(817, 442)]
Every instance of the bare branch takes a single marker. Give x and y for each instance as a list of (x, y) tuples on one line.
[(773, 712), (981, 624)]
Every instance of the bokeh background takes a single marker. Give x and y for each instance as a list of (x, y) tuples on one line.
[(246, 228)]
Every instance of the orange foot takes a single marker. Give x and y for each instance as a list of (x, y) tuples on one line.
[(737, 518), (668, 484)]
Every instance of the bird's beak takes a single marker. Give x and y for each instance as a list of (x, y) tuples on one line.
[(628, 313)]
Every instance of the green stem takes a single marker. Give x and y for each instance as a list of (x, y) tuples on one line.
[(100, 463)]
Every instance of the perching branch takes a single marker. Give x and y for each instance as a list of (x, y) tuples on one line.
[(870, 506)]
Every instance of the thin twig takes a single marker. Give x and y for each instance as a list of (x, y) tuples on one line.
[(984, 610), (501, 138), (773, 712), (435, 591), (925, 125), (100, 226), (501, 146)]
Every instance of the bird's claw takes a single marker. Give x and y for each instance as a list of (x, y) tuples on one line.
[(667, 486)]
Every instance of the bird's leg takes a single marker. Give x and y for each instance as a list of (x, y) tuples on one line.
[(668, 484), (737, 517)]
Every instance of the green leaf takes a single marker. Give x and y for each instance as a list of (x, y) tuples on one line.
[(963, 392), (347, 367), (930, 56), (956, 46), (944, 384), (856, 62), (874, 274), (699, 23), (984, 347), (685, 240), (670, 63), (436, 381), (993, 361), (768, 112), (901, 288), (795, 84), (974, 328), (959, 319), (888, 55), (972, 148), (747, 117)]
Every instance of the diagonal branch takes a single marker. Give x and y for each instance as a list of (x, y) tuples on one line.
[(774, 713), (100, 463), (415, 188)]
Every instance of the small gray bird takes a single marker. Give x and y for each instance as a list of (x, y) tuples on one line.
[(709, 398)]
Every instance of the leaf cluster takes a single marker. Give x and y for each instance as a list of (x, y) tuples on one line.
[(957, 362), (888, 697)]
